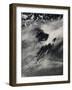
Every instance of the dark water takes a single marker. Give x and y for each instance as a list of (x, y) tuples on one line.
[(45, 72)]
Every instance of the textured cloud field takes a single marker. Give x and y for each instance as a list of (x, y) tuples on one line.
[(42, 47)]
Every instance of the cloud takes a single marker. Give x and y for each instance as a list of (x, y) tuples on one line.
[(49, 63)]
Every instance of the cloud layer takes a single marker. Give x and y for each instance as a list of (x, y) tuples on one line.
[(44, 57)]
